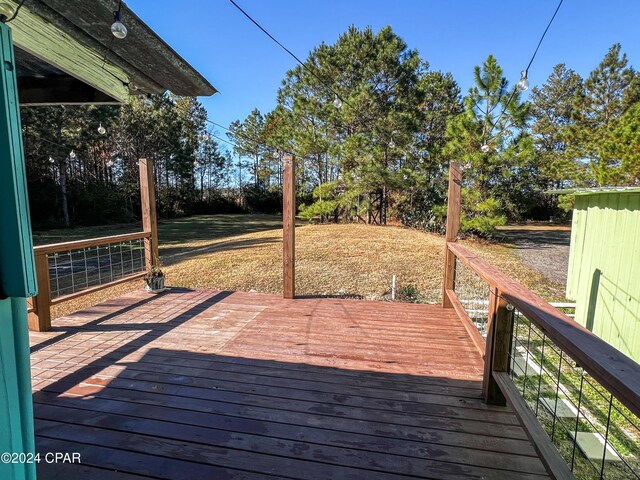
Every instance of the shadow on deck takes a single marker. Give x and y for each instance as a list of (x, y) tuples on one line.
[(214, 385)]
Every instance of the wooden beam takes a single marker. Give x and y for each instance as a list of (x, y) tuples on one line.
[(555, 465), (89, 242), (57, 47), (477, 339), (148, 203), (611, 368), (498, 347), (59, 90), (453, 228), (289, 227), (40, 319)]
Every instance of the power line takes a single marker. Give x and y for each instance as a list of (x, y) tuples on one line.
[(544, 34), (525, 72), (295, 57)]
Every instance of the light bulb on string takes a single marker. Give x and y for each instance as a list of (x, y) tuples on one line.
[(392, 144), (72, 155), (523, 84), (117, 27), (51, 160), (101, 129), (337, 102), (485, 148)]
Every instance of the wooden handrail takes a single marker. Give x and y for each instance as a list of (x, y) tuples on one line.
[(89, 242), (618, 373)]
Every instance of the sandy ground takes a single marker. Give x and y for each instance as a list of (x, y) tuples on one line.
[(542, 247)]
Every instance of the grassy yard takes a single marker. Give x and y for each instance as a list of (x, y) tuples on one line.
[(244, 252)]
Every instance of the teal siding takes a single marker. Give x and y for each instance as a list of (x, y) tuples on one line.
[(17, 277), (604, 267)]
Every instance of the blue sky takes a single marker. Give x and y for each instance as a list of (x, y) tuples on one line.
[(247, 68)]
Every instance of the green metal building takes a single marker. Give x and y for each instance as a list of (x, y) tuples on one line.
[(604, 265)]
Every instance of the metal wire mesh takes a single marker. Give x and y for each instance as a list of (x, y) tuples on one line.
[(75, 270), (596, 435), (473, 293)]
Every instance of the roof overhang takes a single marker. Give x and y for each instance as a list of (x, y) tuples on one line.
[(593, 191), (66, 54)]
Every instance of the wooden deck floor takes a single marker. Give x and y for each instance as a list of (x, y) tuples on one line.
[(215, 385)]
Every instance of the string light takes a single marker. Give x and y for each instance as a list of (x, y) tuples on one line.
[(101, 129), (485, 148), (337, 102), (51, 160), (72, 155), (117, 27), (523, 84)]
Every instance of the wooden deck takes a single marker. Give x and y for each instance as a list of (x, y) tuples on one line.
[(215, 385)]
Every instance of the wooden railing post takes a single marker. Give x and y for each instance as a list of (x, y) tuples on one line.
[(289, 227), (40, 318), (496, 359), (453, 227), (148, 204)]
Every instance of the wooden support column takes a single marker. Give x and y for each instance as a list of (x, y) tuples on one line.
[(289, 227), (496, 359), (40, 318), (148, 204), (453, 227)]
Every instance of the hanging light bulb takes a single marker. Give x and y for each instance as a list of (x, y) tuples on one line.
[(51, 160), (101, 129), (72, 155), (485, 148), (117, 27), (337, 102), (392, 144), (523, 84)]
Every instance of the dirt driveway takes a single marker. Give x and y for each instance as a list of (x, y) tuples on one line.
[(541, 246)]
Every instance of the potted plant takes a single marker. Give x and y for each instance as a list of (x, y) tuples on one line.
[(155, 278)]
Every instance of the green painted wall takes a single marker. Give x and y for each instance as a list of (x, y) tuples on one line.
[(17, 276), (604, 267)]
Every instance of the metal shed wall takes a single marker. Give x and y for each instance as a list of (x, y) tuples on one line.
[(604, 267)]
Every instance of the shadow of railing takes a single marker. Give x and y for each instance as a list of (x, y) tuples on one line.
[(179, 414)]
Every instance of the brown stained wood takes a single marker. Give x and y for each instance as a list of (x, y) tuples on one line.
[(384, 454), (89, 242), (96, 288), (40, 319), (454, 202), (148, 206), (477, 339), (618, 373), (554, 464), (500, 331), (289, 227), (195, 384)]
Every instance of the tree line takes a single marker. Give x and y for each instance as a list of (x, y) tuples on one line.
[(373, 129)]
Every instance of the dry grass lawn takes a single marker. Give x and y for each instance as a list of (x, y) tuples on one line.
[(235, 252)]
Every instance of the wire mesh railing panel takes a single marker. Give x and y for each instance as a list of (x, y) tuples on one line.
[(473, 293), (71, 271), (596, 434)]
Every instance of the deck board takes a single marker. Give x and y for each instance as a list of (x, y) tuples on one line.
[(201, 384)]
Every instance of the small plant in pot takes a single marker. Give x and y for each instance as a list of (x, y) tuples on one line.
[(155, 278)]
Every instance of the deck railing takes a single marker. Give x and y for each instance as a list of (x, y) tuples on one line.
[(577, 396), (71, 269)]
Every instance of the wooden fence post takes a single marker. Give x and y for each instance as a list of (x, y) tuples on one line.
[(289, 227), (40, 318), (148, 204), (496, 358), (453, 227)]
